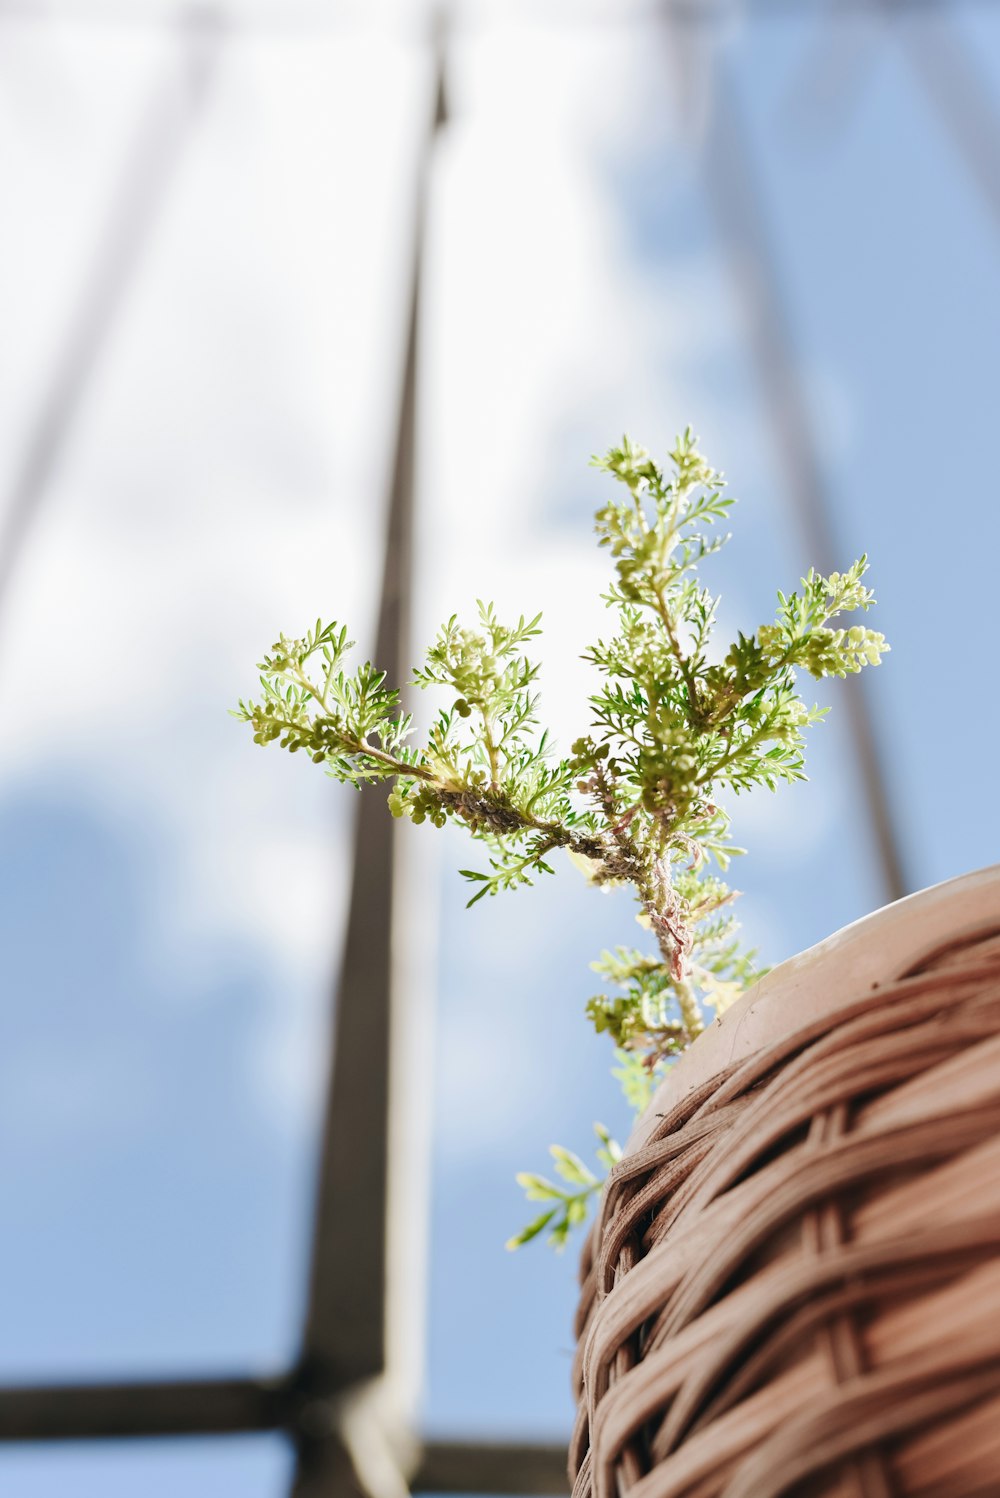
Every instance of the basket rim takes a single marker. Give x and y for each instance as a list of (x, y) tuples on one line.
[(864, 955)]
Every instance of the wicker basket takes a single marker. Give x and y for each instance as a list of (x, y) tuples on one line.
[(794, 1286)]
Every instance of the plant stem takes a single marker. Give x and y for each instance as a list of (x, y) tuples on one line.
[(310, 687), (675, 645), (690, 1012), (491, 749), (735, 750)]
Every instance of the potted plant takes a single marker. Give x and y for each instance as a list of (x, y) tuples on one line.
[(794, 1284), (784, 1289)]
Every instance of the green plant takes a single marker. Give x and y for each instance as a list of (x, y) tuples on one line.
[(636, 802)]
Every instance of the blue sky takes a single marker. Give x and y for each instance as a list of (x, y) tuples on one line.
[(171, 897)]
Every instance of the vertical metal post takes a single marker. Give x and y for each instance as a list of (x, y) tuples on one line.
[(354, 1433)]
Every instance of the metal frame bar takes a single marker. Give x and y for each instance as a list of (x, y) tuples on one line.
[(349, 1352), (75, 1412), (733, 184), (149, 169), (222, 1407), (959, 91)]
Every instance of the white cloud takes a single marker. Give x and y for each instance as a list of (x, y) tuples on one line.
[(225, 479)]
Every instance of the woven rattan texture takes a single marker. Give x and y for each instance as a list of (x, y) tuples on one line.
[(795, 1284)]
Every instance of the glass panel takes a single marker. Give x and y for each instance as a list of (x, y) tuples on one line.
[(173, 898), (171, 901), (880, 174)]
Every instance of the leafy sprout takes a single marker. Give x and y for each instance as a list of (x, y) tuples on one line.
[(637, 800)]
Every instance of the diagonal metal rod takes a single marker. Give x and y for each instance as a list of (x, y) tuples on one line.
[(151, 164), (348, 1341), (958, 88), (735, 193)]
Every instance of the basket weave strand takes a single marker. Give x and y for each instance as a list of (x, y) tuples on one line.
[(794, 1284)]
